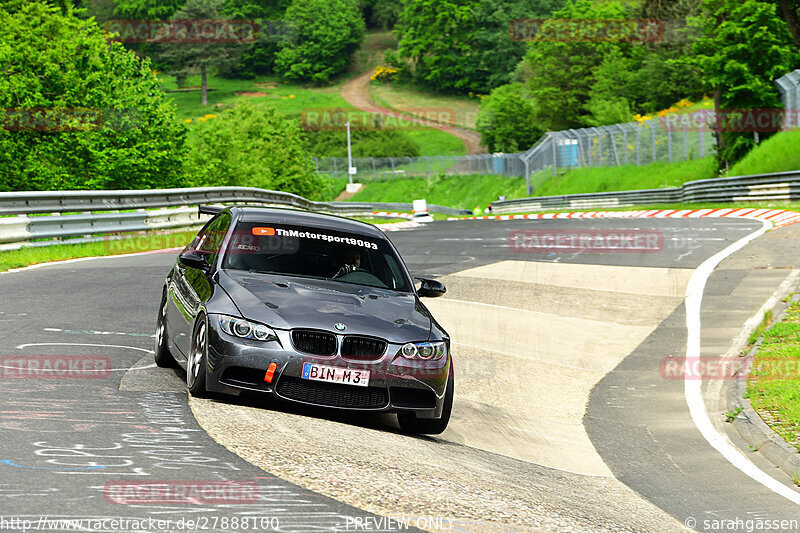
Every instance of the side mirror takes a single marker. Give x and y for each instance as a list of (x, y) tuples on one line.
[(194, 259), (431, 288)]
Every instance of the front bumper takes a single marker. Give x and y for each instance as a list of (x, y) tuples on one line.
[(396, 384)]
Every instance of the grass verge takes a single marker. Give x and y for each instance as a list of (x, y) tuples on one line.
[(779, 153), (140, 243), (774, 384), (464, 192), (470, 191), (624, 178)]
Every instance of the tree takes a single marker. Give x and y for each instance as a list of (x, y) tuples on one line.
[(466, 45), (251, 147), (259, 57), (745, 46), (789, 10), (81, 112), (437, 37), (147, 9), (562, 72), (506, 120), (325, 34), (382, 14), (185, 56)]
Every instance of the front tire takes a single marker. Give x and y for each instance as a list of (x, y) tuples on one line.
[(196, 363), (162, 355), (409, 423)]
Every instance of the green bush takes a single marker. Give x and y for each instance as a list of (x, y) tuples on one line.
[(248, 146), (364, 144), (506, 120), (326, 33), (107, 125)]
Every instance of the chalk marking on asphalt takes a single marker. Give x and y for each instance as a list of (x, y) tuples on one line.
[(23, 346), (692, 391), (97, 332)]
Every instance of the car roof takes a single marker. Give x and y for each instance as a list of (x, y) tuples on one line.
[(303, 218)]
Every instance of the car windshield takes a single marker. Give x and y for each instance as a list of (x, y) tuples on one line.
[(315, 253)]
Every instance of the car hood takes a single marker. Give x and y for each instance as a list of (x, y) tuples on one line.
[(287, 302)]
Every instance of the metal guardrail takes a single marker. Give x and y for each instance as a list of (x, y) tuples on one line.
[(780, 186), (82, 216), (45, 218)]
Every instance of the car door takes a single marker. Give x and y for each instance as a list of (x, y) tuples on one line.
[(192, 287)]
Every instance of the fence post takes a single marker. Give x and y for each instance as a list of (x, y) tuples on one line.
[(625, 143), (410, 166), (316, 163), (685, 144), (653, 135), (334, 165), (374, 170), (428, 165), (701, 141), (669, 142), (391, 160), (555, 156), (442, 160), (527, 178), (639, 146)]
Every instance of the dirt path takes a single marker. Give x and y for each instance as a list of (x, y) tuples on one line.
[(356, 92)]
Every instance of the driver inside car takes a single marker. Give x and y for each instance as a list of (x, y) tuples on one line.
[(351, 259)]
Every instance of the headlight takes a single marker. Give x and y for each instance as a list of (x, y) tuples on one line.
[(424, 350), (239, 327)]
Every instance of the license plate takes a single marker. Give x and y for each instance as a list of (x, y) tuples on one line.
[(333, 374)]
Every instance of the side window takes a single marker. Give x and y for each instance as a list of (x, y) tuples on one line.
[(210, 241)]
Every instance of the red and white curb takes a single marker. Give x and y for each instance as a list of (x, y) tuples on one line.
[(778, 217), (385, 214)]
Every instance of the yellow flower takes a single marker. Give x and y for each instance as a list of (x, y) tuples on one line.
[(202, 119), (210, 115), (188, 120), (291, 96)]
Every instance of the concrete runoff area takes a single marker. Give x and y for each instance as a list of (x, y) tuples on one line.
[(543, 365), (523, 378)]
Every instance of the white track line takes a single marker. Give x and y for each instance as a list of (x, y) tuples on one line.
[(23, 346), (694, 398)]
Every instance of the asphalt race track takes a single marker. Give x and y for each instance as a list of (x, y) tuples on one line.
[(562, 421)]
